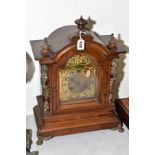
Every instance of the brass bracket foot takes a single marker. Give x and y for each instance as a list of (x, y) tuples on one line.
[(40, 139), (120, 128)]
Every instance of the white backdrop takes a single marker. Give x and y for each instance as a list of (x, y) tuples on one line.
[(44, 16)]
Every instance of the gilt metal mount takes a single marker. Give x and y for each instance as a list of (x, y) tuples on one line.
[(46, 48)]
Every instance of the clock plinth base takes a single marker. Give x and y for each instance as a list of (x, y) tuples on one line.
[(74, 126)]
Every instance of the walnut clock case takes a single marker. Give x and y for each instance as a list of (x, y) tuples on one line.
[(76, 84)]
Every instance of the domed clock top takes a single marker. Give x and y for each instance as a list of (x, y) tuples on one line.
[(61, 37)]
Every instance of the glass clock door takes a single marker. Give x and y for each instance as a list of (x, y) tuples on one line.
[(78, 80)]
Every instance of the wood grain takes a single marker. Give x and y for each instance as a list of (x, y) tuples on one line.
[(86, 115)]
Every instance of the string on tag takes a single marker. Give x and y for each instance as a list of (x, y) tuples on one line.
[(81, 42), (81, 33)]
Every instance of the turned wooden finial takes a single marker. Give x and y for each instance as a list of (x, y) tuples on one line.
[(112, 42), (81, 23), (46, 49)]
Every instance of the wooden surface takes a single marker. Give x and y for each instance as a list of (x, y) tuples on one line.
[(77, 117), (75, 125), (122, 109), (86, 115)]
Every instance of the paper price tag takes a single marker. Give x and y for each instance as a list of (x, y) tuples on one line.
[(80, 44), (88, 73)]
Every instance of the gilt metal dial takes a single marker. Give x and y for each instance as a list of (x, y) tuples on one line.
[(78, 82), (77, 79)]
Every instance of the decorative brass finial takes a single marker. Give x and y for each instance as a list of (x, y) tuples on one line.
[(81, 23), (112, 42), (46, 49), (90, 24)]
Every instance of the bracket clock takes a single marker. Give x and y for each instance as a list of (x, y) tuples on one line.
[(76, 78)]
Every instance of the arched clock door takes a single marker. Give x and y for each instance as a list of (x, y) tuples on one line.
[(81, 79)]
